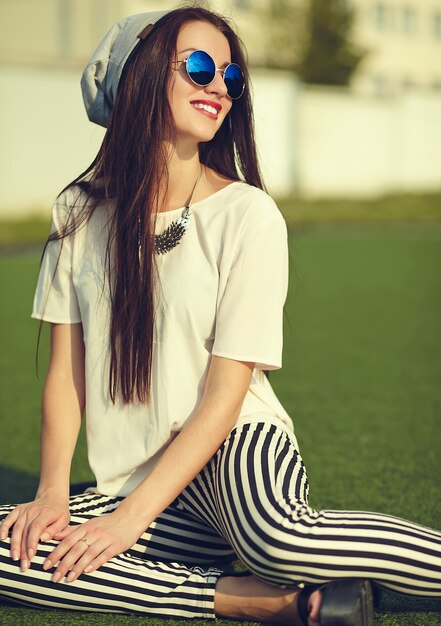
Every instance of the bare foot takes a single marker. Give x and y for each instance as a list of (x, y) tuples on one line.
[(250, 598), (314, 604)]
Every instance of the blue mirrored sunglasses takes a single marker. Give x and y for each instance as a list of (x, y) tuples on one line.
[(201, 70)]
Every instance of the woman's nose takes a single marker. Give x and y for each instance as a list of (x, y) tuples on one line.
[(218, 85)]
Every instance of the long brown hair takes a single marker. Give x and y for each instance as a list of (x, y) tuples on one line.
[(128, 171)]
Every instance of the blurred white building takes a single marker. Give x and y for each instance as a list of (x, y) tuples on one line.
[(381, 135), (404, 40), (403, 37)]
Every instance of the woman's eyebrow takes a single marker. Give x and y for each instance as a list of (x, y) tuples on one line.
[(187, 50)]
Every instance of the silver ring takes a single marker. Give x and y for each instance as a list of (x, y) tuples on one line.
[(85, 541)]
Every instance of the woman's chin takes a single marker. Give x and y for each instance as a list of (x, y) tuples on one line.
[(202, 135)]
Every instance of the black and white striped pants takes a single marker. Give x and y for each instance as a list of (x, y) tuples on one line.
[(250, 502)]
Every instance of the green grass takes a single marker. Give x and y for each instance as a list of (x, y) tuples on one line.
[(391, 210), (360, 378)]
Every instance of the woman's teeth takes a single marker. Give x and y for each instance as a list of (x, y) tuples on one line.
[(205, 107)]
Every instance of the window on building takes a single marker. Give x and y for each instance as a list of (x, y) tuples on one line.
[(380, 14), (437, 25), (409, 21)]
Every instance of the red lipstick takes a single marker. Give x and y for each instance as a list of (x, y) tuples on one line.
[(207, 107)]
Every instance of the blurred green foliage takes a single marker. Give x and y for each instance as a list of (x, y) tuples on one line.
[(330, 57), (417, 208), (24, 231)]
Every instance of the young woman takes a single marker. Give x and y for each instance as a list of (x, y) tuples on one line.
[(164, 281)]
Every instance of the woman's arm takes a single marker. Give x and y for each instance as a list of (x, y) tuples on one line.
[(226, 386), (62, 408), (227, 383)]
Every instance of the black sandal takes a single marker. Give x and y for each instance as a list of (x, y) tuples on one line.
[(345, 602)]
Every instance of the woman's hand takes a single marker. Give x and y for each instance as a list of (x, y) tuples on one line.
[(85, 547), (32, 522)]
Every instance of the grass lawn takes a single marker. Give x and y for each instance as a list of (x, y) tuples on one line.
[(361, 380), (419, 209)]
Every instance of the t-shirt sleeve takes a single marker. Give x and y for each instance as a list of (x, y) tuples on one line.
[(249, 319), (55, 299)]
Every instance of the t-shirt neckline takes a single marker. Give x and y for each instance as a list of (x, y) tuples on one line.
[(199, 202)]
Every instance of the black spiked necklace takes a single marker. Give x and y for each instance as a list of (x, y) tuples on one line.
[(172, 235)]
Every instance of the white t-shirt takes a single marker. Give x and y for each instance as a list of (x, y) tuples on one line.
[(223, 289)]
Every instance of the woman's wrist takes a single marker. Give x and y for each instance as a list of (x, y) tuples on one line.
[(52, 492), (133, 514)]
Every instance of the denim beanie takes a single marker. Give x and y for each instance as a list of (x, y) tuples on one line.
[(100, 78)]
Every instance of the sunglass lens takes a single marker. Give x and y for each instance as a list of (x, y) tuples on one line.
[(234, 81), (201, 68)]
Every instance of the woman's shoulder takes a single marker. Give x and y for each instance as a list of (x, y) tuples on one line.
[(76, 204), (75, 211), (252, 202), (240, 192), (74, 197)]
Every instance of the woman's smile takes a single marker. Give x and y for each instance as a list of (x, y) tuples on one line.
[(207, 107)]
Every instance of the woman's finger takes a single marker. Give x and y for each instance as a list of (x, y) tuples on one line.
[(65, 546), (16, 537), (53, 529), (99, 553), (69, 560), (35, 530), (9, 520), (100, 560), (63, 532), (24, 562), (29, 517)]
